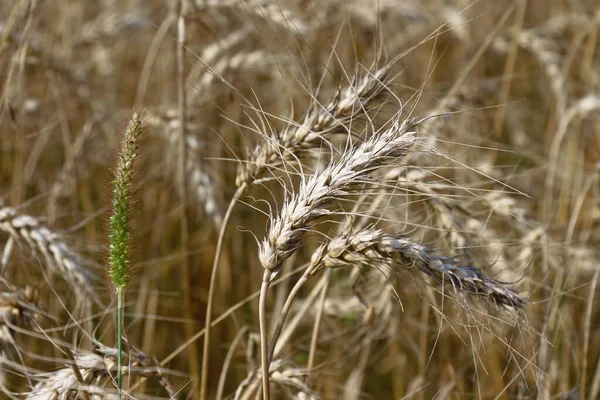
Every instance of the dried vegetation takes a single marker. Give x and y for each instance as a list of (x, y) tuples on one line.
[(367, 199)]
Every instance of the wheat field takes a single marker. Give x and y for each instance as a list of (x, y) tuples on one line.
[(384, 199)]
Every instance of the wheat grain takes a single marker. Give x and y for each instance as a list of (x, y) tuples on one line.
[(392, 251), (97, 370), (18, 309), (299, 212), (320, 121)]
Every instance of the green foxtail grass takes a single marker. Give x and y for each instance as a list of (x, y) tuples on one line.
[(120, 229)]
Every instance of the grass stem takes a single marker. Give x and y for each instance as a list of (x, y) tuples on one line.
[(120, 306), (212, 289)]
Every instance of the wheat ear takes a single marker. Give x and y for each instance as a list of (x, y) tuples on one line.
[(301, 211), (18, 309), (374, 247), (58, 257), (96, 369), (290, 145), (320, 121)]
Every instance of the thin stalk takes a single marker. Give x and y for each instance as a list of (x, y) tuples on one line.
[(186, 282), (212, 288), (508, 74), (299, 316), (285, 311), (583, 369), (120, 306), (222, 317), (227, 362), (264, 334), (317, 326)]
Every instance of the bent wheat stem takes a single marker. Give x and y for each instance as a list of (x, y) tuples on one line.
[(264, 334)]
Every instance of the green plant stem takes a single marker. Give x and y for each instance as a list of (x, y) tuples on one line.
[(120, 305)]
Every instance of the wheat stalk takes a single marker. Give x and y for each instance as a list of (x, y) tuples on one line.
[(290, 145), (300, 212)]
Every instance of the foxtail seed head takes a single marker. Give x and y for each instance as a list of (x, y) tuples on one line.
[(120, 229)]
